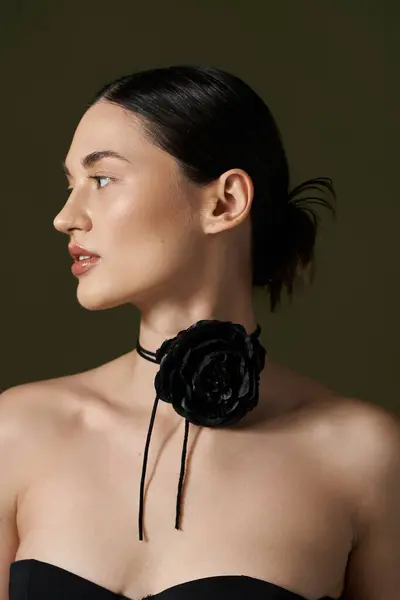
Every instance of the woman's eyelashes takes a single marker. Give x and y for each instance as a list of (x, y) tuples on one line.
[(97, 178)]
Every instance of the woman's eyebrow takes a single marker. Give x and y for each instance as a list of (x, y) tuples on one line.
[(91, 159)]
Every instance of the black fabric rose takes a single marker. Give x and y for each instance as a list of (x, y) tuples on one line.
[(210, 372)]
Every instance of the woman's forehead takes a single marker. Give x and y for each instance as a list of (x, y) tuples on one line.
[(104, 120), (105, 126)]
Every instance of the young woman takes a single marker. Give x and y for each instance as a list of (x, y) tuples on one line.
[(258, 483)]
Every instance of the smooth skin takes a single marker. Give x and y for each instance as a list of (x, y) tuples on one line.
[(304, 492)]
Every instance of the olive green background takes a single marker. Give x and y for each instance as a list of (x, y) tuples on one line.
[(329, 72)]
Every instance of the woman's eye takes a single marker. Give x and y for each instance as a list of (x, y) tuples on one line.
[(98, 177)]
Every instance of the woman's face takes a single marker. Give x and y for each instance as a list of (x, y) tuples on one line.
[(140, 215)]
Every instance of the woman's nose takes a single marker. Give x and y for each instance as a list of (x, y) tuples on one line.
[(70, 218)]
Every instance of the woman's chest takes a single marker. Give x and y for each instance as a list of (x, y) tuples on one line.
[(251, 504)]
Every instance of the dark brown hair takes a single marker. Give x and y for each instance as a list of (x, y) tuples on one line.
[(212, 121)]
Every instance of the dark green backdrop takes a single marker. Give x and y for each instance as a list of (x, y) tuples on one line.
[(329, 72)]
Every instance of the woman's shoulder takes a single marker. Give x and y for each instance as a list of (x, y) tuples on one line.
[(354, 429), (55, 393), (56, 402), (313, 395), (37, 408)]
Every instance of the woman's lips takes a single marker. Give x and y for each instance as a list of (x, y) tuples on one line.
[(79, 267)]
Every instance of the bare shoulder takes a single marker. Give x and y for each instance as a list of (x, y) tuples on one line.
[(362, 432), (37, 399), (30, 422), (359, 437), (32, 414), (370, 450), (368, 430), (372, 435), (363, 441)]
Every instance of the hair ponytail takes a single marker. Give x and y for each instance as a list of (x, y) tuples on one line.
[(288, 246)]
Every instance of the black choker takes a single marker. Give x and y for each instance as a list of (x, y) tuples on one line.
[(210, 373)]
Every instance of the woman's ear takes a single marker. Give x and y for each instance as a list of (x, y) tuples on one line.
[(228, 201)]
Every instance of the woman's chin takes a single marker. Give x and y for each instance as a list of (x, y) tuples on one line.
[(97, 299)]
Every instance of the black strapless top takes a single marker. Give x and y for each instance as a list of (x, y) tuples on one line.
[(32, 579)]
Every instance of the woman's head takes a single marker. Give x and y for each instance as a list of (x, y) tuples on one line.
[(203, 194)]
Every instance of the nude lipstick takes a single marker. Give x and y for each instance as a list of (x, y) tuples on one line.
[(84, 259)]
